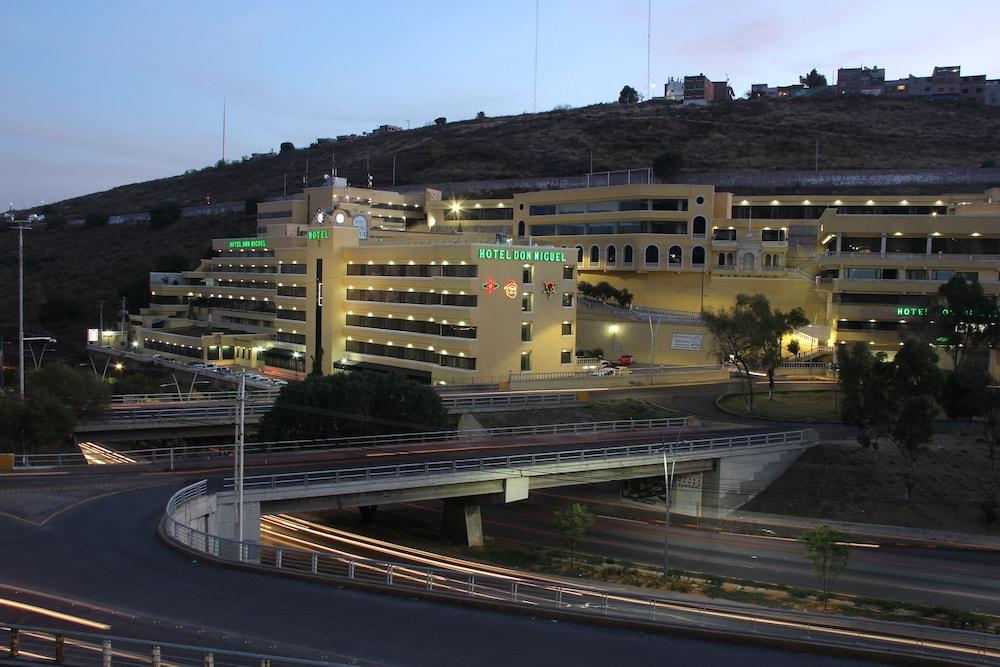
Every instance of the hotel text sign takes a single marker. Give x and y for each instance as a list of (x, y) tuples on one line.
[(515, 255), (248, 243)]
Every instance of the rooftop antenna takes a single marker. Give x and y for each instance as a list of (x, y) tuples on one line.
[(223, 130), (534, 94)]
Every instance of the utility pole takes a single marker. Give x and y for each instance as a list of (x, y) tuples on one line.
[(241, 398), (21, 226)]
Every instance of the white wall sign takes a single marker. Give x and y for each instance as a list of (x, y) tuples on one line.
[(685, 341), (361, 222)]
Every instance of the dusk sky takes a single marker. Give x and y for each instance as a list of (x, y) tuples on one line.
[(104, 93)]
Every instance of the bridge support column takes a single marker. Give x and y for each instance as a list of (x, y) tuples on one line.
[(462, 522), (226, 528)]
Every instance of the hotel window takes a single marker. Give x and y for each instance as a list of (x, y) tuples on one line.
[(527, 274), (567, 273), (697, 256), (595, 254), (525, 331), (525, 362), (676, 256), (772, 235), (566, 357), (579, 254), (698, 226), (611, 255), (520, 228), (652, 254), (627, 255), (527, 301), (567, 328), (916, 274), (567, 300)]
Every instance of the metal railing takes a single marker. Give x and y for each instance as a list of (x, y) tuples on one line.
[(909, 256), (681, 448), (172, 454), (554, 595), (252, 395), (72, 647), (161, 415), (507, 401), (653, 371)]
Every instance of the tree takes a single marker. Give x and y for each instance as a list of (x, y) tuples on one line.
[(440, 120), (896, 398), (793, 347), (480, 115), (666, 165), (628, 96), (868, 396), (777, 325), (355, 403), (95, 219), (964, 318), (813, 79), (163, 214), (749, 334), (828, 555), (572, 523), (57, 395), (966, 393), (624, 298), (286, 147)]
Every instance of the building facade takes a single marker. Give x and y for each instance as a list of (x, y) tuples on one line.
[(461, 291)]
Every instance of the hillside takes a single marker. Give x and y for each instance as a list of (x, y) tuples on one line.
[(767, 134)]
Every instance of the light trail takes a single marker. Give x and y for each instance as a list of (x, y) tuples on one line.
[(51, 613), (96, 454), (298, 525)]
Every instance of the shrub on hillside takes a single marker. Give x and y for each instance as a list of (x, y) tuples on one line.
[(666, 165), (95, 219), (163, 214), (287, 146)]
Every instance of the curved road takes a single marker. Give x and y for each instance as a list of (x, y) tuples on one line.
[(102, 560)]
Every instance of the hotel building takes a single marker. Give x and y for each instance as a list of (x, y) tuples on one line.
[(475, 290)]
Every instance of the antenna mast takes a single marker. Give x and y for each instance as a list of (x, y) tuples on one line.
[(534, 94)]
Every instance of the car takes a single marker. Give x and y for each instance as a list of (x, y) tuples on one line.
[(225, 370), (603, 372), (157, 357)]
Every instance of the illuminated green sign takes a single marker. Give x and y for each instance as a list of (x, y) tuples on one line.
[(319, 234), (911, 311), (516, 255), (247, 243)]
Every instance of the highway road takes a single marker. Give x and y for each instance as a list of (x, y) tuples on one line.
[(963, 579), (99, 559)]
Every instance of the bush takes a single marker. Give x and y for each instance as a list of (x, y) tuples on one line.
[(666, 165), (628, 96), (440, 120), (163, 214), (286, 147), (95, 219)]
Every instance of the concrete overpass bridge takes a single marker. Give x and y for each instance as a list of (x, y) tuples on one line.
[(711, 475)]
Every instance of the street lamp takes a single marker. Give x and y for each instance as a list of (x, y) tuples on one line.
[(20, 226)]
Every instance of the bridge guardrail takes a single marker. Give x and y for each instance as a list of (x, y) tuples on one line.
[(323, 444), (537, 594), (74, 647), (483, 464), (196, 397)]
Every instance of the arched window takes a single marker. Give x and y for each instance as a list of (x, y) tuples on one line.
[(652, 254), (675, 256), (697, 256), (627, 255), (698, 226), (767, 259), (579, 254), (520, 227), (595, 255), (612, 255)]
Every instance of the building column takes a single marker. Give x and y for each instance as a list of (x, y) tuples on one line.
[(840, 238), (930, 241), (462, 522), (882, 247)]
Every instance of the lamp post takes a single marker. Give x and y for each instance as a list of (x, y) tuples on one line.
[(20, 226)]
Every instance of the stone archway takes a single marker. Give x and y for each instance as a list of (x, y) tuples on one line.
[(749, 262)]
